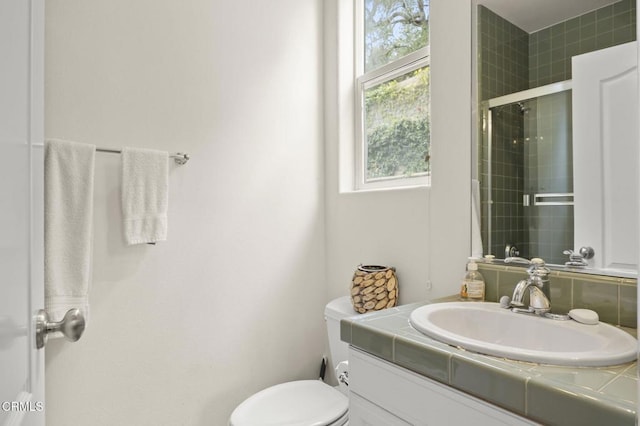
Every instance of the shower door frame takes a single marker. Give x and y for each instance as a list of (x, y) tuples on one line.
[(486, 108)]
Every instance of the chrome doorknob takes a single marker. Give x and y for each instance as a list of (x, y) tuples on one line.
[(71, 326)]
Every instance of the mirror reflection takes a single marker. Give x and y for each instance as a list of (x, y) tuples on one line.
[(525, 152)]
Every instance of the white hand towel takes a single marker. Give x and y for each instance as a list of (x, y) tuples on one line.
[(68, 235), (145, 195), (476, 234)]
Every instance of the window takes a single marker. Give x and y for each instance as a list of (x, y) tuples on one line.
[(392, 89)]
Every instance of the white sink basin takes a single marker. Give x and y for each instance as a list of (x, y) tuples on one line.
[(487, 328)]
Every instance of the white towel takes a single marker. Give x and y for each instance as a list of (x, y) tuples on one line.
[(68, 234), (145, 195), (476, 235)]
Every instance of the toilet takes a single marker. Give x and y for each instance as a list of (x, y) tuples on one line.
[(304, 402)]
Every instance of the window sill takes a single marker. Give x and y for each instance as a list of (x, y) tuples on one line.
[(416, 187)]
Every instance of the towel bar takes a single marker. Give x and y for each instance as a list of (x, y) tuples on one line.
[(179, 157)]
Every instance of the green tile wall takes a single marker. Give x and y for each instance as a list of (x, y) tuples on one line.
[(512, 60), (504, 55), (550, 49), (503, 69), (507, 165), (613, 298)]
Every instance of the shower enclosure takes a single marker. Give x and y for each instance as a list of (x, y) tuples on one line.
[(527, 174)]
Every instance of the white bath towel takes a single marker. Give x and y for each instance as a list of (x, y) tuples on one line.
[(68, 235), (476, 235), (145, 195)]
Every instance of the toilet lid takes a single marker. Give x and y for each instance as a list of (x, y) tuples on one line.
[(299, 403)]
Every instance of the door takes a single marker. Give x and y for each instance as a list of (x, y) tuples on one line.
[(21, 212), (605, 153)]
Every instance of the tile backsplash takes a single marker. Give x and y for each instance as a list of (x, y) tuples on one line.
[(613, 298)]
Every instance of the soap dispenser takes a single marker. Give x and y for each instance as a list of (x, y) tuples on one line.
[(472, 288)]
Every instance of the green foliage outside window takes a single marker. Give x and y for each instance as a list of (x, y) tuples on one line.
[(397, 123)]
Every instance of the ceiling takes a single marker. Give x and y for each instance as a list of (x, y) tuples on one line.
[(534, 15)]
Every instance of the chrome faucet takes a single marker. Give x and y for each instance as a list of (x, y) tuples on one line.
[(537, 284)]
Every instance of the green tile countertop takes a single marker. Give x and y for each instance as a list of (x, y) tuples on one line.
[(543, 393)]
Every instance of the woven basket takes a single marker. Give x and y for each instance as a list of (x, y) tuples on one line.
[(374, 288)]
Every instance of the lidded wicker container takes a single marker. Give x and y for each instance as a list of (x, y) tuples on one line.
[(374, 288)]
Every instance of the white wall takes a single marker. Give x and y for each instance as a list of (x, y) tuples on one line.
[(451, 105), (423, 232), (183, 331)]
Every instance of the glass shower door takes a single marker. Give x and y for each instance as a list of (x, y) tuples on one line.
[(527, 177), (548, 176)]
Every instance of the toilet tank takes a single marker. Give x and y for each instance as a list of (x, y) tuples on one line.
[(334, 311)]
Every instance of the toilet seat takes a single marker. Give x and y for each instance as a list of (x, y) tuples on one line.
[(299, 403)]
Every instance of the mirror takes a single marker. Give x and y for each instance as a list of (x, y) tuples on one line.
[(523, 185)]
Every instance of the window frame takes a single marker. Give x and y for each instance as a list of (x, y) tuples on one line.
[(363, 80)]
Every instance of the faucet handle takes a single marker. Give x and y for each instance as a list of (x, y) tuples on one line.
[(575, 258), (533, 261), (515, 259), (538, 269)]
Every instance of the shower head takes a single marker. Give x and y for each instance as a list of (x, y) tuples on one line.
[(523, 109)]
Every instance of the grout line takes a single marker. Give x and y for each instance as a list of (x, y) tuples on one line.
[(526, 395), (601, 388), (571, 305), (393, 347), (618, 310), (630, 367)]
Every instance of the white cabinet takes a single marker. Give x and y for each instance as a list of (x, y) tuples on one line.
[(366, 413), (385, 394)]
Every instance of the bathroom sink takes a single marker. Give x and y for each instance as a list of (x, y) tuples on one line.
[(487, 328)]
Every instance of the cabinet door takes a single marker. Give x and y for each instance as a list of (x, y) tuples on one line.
[(364, 413), (416, 399)]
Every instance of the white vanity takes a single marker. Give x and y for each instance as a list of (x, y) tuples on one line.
[(382, 393), (398, 376)]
